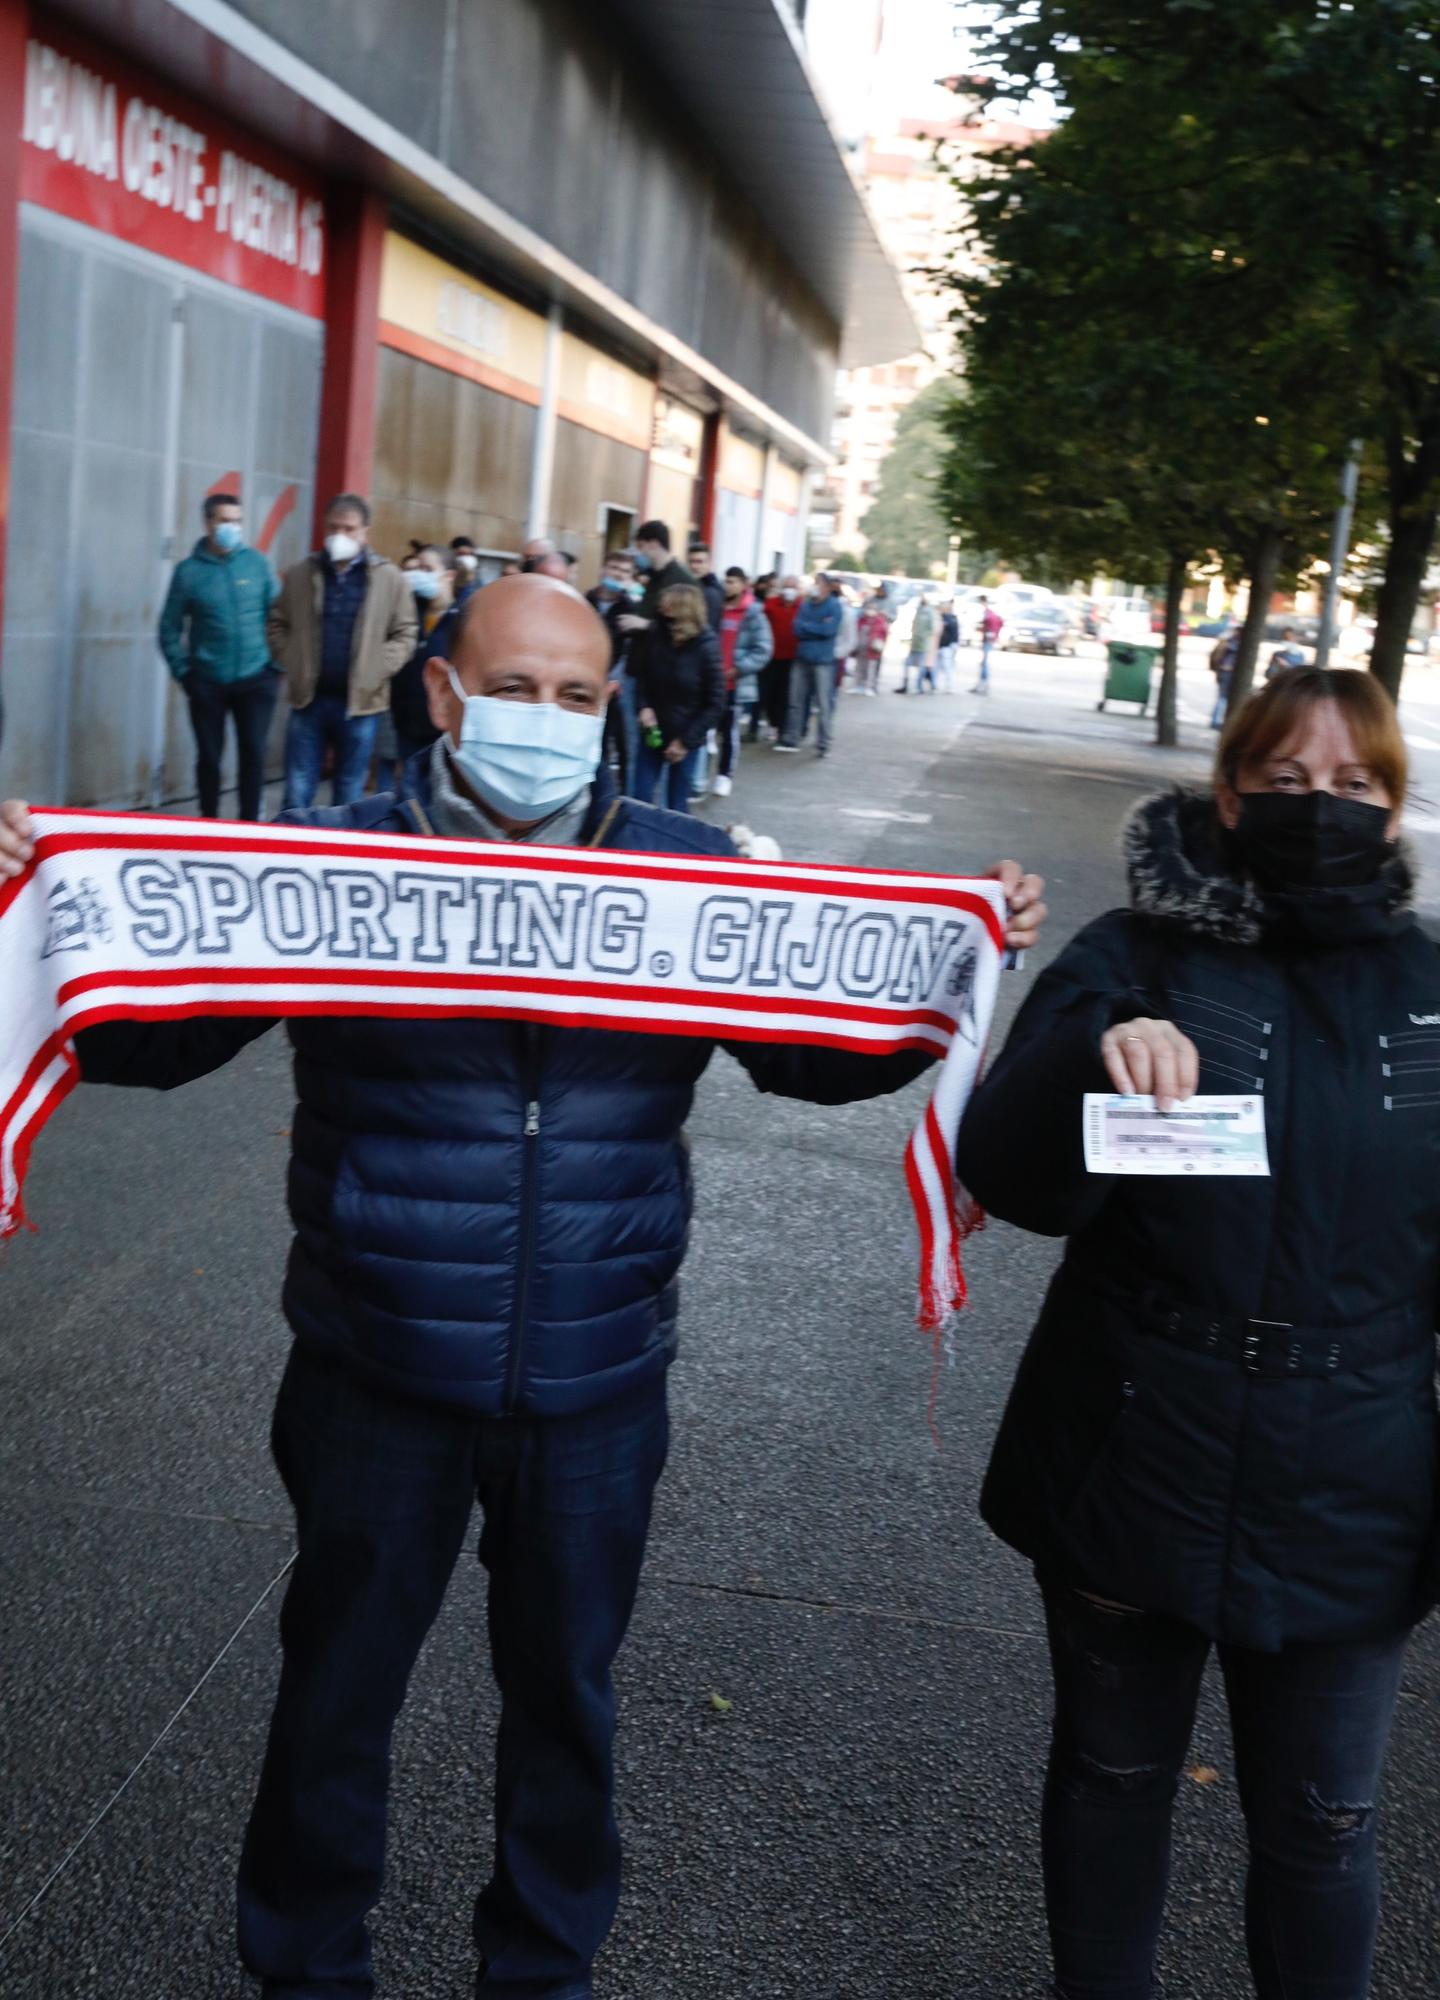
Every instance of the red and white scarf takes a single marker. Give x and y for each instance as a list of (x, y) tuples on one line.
[(125, 916)]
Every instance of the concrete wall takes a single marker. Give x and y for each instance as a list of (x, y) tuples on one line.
[(616, 182)]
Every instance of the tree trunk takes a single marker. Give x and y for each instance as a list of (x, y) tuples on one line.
[(1264, 568), (1412, 535), (1166, 734)]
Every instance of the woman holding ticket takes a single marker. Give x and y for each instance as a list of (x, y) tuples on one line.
[(1224, 1430)]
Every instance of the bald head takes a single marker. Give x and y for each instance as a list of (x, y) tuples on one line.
[(523, 638), (542, 558)]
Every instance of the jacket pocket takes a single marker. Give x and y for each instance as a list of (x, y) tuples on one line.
[(1148, 1525)]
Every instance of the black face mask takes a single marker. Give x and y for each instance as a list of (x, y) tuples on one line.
[(1311, 840)]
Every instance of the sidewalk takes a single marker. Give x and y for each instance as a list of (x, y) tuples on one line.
[(858, 1822)]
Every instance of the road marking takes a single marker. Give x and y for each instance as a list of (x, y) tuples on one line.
[(1098, 777), (120, 1790), (1419, 742), (880, 812)]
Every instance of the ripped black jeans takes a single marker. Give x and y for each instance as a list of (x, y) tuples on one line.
[(1310, 1726)]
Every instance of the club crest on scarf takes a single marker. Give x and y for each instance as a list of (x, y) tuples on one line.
[(75, 917)]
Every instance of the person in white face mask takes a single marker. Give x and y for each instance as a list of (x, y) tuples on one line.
[(344, 624), (212, 633), (490, 1219)]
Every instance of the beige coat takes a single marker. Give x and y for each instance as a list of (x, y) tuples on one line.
[(384, 638)]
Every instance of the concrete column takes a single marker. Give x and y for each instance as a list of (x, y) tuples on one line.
[(762, 552), (14, 33), (542, 462), (355, 247)]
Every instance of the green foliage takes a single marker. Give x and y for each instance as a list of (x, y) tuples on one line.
[(1235, 220), (906, 529)]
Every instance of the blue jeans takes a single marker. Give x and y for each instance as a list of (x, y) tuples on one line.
[(987, 647), (650, 764), (311, 729), (622, 729), (1310, 1726), (383, 1491), (812, 685), (1223, 682)]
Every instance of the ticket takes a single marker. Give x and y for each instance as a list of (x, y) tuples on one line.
[(1204, 1135)]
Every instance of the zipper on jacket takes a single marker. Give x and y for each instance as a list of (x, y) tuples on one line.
[(529, 1164)]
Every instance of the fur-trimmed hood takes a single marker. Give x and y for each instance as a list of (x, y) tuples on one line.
[(1173, 847)]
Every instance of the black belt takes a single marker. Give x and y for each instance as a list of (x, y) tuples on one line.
[(1273, 1346)]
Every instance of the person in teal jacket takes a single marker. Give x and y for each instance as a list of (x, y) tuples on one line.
[(212, 633)]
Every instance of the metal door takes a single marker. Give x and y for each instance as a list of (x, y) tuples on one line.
[(139, 387)]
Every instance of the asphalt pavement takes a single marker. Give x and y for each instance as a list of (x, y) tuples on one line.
[(833, 1700)]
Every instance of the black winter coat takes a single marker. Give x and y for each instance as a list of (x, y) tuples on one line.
[(1227, 1410), (490, 1214), (685, 685)]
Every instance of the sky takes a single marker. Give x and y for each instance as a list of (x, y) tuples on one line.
[(919, 44)]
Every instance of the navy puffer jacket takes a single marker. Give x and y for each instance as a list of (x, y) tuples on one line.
[(490, 1214)]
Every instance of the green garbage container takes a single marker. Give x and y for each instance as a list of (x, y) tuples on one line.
[(1130, 669)]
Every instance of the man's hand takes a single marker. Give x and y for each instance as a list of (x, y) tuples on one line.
[(631, 621), (646, 718), (675, 753), (1024, 896), (17, 836), (1151, 1058)]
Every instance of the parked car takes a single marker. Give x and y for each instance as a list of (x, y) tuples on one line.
[(1305, 627), (1126, 618), (1042, 628)]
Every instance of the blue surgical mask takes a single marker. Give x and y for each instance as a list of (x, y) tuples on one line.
[(642, 561), (228, 537), (424, 582), (610, 585), (636, 591), (526, 759)]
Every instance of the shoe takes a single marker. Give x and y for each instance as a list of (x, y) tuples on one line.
[(872, 692), (787, 749), (821, 753), (901, 690), (722, 788)]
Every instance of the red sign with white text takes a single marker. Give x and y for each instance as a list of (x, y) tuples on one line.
[(107, 146)]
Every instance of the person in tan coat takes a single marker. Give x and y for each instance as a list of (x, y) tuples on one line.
[(343, 625)]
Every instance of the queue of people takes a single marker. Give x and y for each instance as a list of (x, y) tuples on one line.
[(702, 663)]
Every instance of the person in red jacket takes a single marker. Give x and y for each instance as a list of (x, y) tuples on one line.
[(874, 630), (782, 607)]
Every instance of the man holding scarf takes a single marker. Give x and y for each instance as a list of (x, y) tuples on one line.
[(490, 1217)]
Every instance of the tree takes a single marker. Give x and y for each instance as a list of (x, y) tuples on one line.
[(906, 531), (1131, 384), (1303, 140)]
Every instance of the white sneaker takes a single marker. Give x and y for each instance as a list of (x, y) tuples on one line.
[(722, 788), (787, 749)]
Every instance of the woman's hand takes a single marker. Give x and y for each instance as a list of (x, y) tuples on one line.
[(1151, 1059), (17, 836)]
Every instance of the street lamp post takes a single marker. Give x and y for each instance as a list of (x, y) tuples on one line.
[(1339, 551)]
